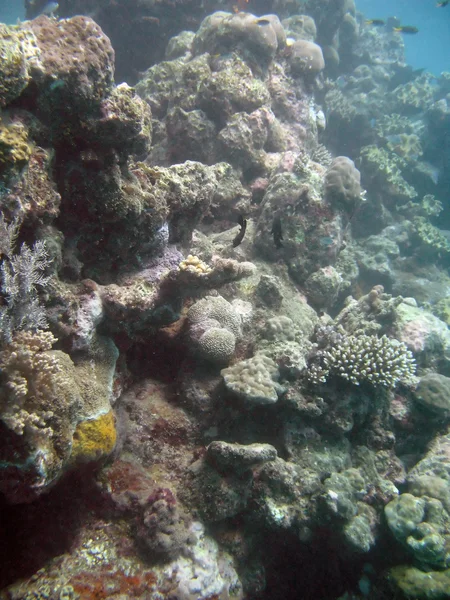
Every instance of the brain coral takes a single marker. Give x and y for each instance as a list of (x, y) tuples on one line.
[(216, 307), (214, 326)]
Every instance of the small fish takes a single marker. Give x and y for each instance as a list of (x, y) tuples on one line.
[(442, 4), (265, 21), (277, 232), (406, 29), (148, 19), (240, 236), (377, 22), (49, 8)]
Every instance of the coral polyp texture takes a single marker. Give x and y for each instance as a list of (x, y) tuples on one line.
[(224, 304), (379, 361)]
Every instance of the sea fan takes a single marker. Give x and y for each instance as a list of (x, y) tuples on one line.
[(20, 274)]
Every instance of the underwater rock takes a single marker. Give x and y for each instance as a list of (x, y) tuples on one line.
[(433, 392), (251, 37), (238, 458), (323, 287), (306, 59), (76, 64), (425, 335), (343, 183)]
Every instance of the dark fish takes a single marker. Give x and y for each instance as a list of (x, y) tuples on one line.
[(443, 3), (277, 232), (376, 22), (240, 236), (263, 22), (406, 29)]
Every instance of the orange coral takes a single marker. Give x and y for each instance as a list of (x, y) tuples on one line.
[(98, 586)]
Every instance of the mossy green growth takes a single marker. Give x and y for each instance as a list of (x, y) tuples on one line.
[(430, 236), (17, 49), (393, 124), (415, 95), (442, 310), (386, 167), (234, 88), (15, 146), (406, 145), (421, 585)]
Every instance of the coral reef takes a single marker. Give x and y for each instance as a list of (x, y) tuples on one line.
[(224, 345)]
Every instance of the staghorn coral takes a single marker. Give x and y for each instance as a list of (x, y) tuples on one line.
[(365, 358)]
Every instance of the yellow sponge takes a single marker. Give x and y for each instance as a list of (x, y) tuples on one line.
[(94, 439)]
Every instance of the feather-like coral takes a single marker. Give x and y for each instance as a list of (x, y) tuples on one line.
[(20, 274)]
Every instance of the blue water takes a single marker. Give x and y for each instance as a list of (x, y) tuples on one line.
[(11, 10), (430, 48)]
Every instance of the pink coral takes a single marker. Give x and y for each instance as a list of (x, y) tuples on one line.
[(414, 335)]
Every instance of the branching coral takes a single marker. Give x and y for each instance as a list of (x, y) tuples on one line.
[(365, 358), (31, 374)]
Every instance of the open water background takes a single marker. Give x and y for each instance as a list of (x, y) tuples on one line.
[(430, 48)]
